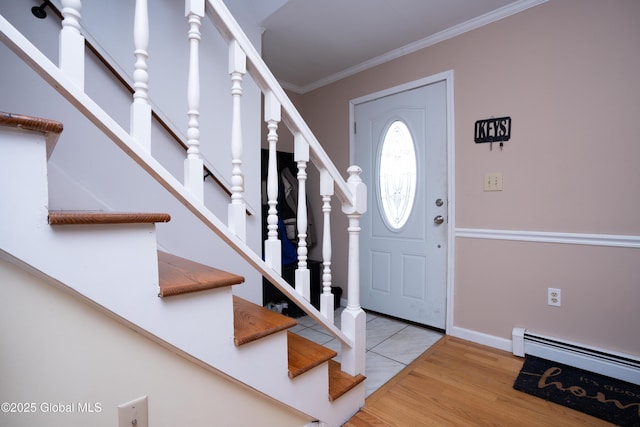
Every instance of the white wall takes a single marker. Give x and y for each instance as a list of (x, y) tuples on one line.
[(89, 172), (56, 349)]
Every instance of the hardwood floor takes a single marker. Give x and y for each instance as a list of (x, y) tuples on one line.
[(459, 383)]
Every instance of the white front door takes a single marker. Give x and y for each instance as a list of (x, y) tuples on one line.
[(401, 145)]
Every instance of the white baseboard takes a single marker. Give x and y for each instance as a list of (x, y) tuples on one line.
[(480, 338)]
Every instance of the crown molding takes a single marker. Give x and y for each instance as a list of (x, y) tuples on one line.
[(472, 24)]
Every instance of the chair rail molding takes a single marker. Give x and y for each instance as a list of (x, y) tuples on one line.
[(612, 240)]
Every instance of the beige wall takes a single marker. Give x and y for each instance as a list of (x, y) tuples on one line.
[(57, 350), (566, 72)]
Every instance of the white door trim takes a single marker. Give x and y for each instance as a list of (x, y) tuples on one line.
[(446, 76)]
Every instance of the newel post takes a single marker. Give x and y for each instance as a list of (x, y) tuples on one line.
[(353, 317), (71, 42)]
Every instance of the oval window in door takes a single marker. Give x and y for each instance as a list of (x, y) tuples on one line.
[(397, 174)]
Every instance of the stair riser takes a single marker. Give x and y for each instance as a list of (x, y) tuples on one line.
[(260, 363), (23, 180), (200, 324)]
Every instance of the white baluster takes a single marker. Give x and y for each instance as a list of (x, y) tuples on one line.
[(237, 208), (71, 42), (353, 317), (193, 164), (272, 246), (326, 299), (140, 108), (303, 275)]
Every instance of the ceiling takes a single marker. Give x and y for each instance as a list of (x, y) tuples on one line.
[(310, 43)]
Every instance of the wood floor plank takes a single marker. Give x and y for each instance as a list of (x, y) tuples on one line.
[(365, 419), (459, 383)]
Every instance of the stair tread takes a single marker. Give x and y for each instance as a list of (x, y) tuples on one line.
[(305, 354), (101, 217), (252, 322), (180, 276), (341, 382), (30, 123)]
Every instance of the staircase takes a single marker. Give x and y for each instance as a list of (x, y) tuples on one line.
[(252, 326), (180, 303)]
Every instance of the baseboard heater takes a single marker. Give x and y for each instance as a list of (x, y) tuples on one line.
[(613, 364)]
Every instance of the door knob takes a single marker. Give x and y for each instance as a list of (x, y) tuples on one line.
[(439, 219)]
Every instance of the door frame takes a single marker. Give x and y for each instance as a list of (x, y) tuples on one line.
[(447, 77)]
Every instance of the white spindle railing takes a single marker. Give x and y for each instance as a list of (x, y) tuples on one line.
[(71, 46), (326, 299), (140, 109), (237, 208), (277, 108), (303, 275), (272, 246), (193, 164)]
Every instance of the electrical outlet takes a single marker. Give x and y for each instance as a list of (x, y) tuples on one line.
[(554, 297)]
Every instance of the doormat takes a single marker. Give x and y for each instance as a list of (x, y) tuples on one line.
[(607, 398)]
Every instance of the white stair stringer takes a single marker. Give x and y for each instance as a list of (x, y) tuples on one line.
[(116, 267)]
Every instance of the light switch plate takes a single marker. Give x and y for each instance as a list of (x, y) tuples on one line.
[(134, 413), (493, 182)]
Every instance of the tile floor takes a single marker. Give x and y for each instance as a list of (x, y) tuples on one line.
[(391, 344)]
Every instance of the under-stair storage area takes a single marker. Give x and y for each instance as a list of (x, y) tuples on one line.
[(287, 205)]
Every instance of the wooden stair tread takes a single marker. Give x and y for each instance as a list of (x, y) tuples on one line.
[(180, 276), (100, 217), (30, 123), (305, 355), (252, 322), (341, 382)]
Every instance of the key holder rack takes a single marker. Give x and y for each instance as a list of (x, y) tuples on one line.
[(493, 130)]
